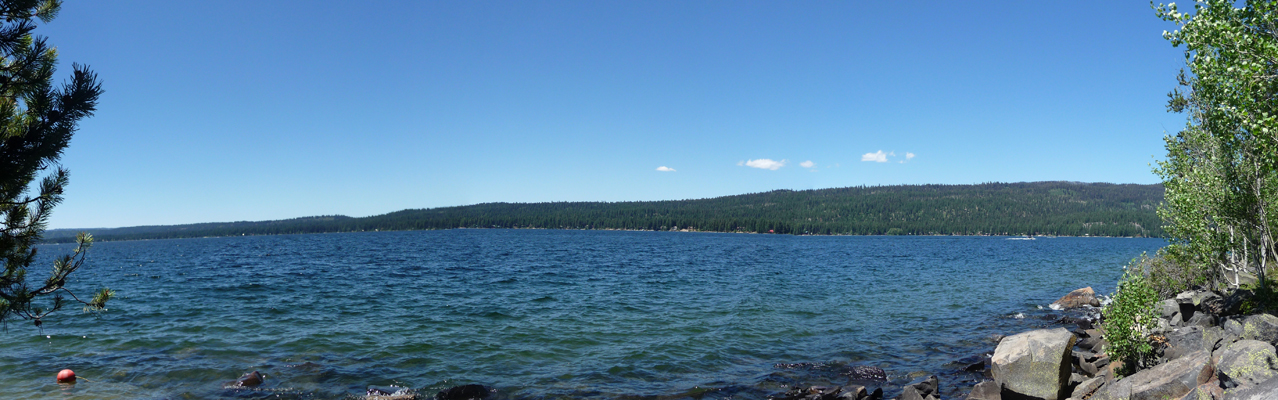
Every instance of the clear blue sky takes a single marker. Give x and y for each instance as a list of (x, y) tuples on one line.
[(227, 111)]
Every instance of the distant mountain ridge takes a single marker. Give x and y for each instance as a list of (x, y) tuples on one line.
[(1037, 208)]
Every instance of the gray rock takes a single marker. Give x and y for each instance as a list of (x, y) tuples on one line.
[(910, 393), (1207, 391), (1101, 361), (1267, 390), (852, 392), (1262, 327), (1088, 368), (877, 394), (1202, 319), (1232, 304), (1163, 327), (1085, 389), (986, 390), (1168, 307), (1189, 339), (1233, 327), (1092, 343), (1203, 300), (1034, 364), (928, 387), (1170, 380), (1247, 363)]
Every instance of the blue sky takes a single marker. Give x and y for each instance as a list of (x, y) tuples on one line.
[(227, 111)]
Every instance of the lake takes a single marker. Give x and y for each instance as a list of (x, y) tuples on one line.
[(543, 313)]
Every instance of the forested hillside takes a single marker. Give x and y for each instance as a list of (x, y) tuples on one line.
[(1041, 208)]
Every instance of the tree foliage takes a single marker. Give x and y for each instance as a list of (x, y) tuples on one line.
[(1129, 318), (37, 121), (1220, 169)]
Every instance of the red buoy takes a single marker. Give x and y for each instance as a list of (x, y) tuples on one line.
[(66, 376)]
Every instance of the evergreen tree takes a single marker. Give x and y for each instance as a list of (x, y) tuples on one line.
[(36, 124)]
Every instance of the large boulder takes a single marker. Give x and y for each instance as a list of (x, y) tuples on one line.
[(1247, 363), (1034, 364), (1262, 327), (1170, 380), (1078, 298)]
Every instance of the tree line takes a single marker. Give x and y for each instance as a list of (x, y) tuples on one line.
[(1032, 208)]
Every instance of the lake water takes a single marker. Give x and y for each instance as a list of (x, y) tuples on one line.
[(544, 314)]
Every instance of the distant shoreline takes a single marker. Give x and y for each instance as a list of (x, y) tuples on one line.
[(109, 238), (1011, 209)]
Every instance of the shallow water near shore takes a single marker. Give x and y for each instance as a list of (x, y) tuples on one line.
[(543, 313)]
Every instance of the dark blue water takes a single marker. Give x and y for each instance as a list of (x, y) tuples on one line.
[(544, 314)]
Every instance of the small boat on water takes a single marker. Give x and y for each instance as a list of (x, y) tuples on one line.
[(1027, 237)]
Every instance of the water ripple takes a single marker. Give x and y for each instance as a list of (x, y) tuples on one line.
[(542, 314)]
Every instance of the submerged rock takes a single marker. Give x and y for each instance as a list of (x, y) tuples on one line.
[(464, 392), (1034, 364), (251, 379), (379, 394), (850, 392), (866, 373)]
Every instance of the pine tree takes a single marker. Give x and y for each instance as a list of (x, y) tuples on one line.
[(36, 124)]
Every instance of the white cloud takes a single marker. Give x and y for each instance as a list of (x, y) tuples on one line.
[(878, 156), (807, 164), (665, 169), (764, 163), (909, 156)]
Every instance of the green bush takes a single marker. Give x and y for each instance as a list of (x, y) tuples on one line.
[(1128, 319), (1263, 298), (1169, 275)]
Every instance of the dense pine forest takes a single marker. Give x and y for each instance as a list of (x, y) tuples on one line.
[(1036, 208)]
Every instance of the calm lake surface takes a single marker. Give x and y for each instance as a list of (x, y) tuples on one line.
[(544, 314)]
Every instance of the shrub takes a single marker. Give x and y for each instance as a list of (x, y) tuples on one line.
[(1128, 319), (1170, 275)]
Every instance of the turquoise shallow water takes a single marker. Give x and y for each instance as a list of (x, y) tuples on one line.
[(544, 314)]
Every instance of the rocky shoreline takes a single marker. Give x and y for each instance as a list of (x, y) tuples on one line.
[(1206, 349)]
